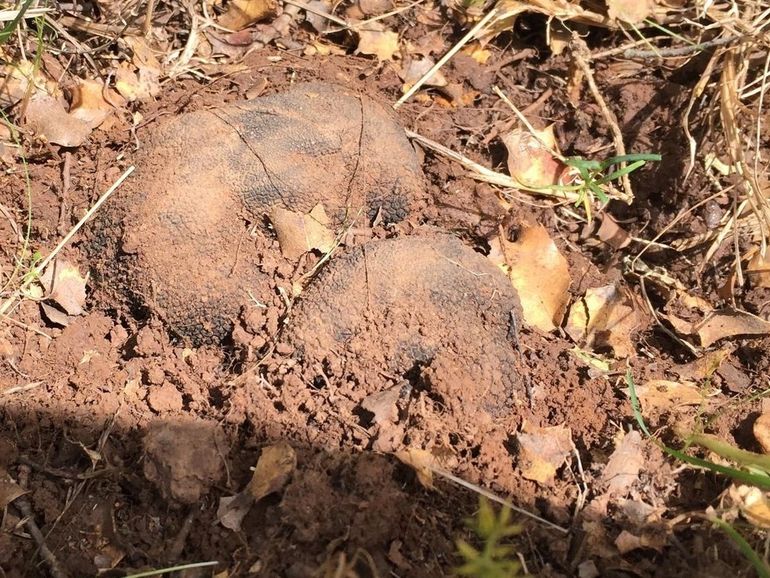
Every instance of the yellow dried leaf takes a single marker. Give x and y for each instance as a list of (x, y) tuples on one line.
[(377, 42), (530, 160), (542, 451), (762, 431), (243, 13), (90, 104), (65, 285), (275, 466), (759, 269), (604, 317), (753, 503), (422, 462), (299, 233), (660, 395), (538, 271)]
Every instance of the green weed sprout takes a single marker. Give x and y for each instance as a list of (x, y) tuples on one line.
[(494, 560), (751, 468)]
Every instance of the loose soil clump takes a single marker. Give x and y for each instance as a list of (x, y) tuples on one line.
[(427, 311), (185, 240)]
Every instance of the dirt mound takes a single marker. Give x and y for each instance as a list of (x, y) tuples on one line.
[(181, 239), (415, 317)]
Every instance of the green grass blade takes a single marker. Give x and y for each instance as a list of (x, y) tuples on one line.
[(754, 479), (635, 404), (8, 30), (763, 571)]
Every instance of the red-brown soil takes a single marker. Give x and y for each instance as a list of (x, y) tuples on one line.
[(127, 436)]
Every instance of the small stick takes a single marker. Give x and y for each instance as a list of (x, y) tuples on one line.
[(444, 59), (26, 511), (681, 51), (35, 272), (495, 498)]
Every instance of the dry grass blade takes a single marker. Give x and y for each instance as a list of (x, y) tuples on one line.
[(482, 173), (40, 267), (472, 33)]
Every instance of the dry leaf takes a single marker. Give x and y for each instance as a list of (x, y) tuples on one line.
[(604, 317), (762, 431), (759, 269), (9, 489), (383, 405), (299, 233), (723, 324), (629, 11), (622, 470), (613, 234), (274, 467), (48, 118), (703, 367), (627, 542), (64, 284), (539, 273), (376, 41), (90, 104), (422, 462), (529, 161), (661, 395), (243, 13), (316, 20), (477, 52), (753, 503), (15, 81), (416, 70), (559, 38), (542, 451)]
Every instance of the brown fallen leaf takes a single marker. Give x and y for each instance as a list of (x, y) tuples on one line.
[(703, 367), (47, 117), (530, 162), (538, 271), (90, 104), (422, 462), (627, 542), (416, 69), (758, 269), (233, 45), (542, 451), (625, 463), (9, 489), (64, 285), (383, 405), (299, 233), (613, 234), (604, 317), (729, 323), (274, 467), (375, 40), (659, 395), (243, 13)]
